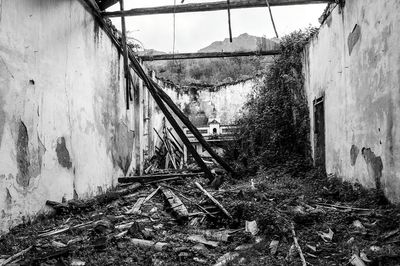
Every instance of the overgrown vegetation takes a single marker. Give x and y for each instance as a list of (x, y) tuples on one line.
[(275, 124), (210, 71)]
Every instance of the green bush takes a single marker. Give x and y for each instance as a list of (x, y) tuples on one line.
[(274, 126)]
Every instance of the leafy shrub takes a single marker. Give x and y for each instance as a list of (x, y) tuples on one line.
[(274, 126)]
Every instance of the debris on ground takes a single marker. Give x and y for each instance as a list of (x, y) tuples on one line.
[(289, 218)]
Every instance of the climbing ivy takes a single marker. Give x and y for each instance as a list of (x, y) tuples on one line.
[(274, 126)]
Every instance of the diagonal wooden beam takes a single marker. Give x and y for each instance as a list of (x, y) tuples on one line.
[(211, 6), (206, 55), (103, 4)]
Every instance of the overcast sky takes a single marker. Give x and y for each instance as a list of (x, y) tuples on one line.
[(197, 30)]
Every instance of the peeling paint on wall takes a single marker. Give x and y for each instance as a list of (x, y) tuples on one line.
[(63, 154), (41, 152), (123, 146), (374, 166), (353, 38), (23, 155), (8, 198), (354, 151), (359, 72)]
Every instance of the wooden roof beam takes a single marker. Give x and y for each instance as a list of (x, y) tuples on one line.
[(210, 6), (206, 55)]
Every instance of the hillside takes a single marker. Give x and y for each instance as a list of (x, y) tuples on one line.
[(217, 70), (243, 42)]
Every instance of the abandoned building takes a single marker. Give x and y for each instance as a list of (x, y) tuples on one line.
[(81, 113)]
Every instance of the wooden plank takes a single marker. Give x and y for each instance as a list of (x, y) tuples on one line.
[(16, 256), (136, 207), (193, 129), (103, 4), (125, 53), (151, 195), (143, 178), (216, 202), (182, 56), (176, 204), (141, 127), (210, 6)]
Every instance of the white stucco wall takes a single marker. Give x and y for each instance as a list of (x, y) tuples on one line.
[(361, 91), (61, 81), (223, 103)]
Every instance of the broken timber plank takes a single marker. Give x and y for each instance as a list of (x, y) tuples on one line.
[(77, 205), (159, 246), (163, 180), (191, 201), (216, 202), (176, 204), (151, 194), (148, 178), (142, 200), (136, 207), (210, 6), (181, 56), (202, 240), (16, 256), (125, 53)]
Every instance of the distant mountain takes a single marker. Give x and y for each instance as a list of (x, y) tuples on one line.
[(150, 52), (243, 42), (217, 70)]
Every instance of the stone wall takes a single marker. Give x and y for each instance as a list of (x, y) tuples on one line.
[(353, 65), (64, 129)]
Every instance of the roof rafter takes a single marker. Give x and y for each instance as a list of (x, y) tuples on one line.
[(206, 55), (210, 6)]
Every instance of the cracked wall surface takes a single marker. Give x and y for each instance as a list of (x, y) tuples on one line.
[(64, 129), (354, 62)]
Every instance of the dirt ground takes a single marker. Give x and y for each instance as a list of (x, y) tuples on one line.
[(335, 223)]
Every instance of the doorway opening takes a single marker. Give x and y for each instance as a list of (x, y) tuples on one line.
[(319, 132)]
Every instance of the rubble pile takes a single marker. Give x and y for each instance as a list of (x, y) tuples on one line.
[(279, 217)]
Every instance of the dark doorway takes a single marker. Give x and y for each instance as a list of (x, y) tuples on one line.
[(319, 132)]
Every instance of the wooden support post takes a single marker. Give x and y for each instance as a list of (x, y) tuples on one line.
[(141, 128), (193, 129), (151, 122), (151, 87), (125, 53), (210, 6), (185, 155), (229, 20)]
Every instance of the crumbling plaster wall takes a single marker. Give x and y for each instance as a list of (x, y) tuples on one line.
[(64, 129), (354, 63), (202, 105)]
